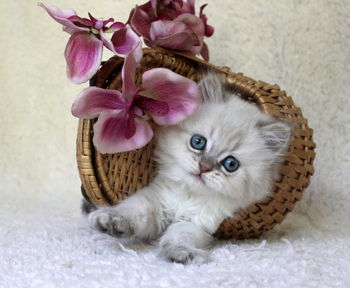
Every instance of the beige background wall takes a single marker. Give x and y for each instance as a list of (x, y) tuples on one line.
[(304, 46)]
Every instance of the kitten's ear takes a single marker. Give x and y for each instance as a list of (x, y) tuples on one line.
[(211, 88), (276, 134)]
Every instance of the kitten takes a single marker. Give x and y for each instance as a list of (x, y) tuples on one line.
[(221, 159)]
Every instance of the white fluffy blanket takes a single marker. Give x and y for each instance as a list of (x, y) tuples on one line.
[(44, 242)]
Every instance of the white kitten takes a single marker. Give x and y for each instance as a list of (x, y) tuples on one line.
[(221, 159)]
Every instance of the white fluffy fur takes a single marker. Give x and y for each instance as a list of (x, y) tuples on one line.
[(187, 205)]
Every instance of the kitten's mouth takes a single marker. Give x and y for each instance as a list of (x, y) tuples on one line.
[(198, 177)]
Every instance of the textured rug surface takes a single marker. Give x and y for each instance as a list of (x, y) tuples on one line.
[(304, 46)]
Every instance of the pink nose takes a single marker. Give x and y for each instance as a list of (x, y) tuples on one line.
[(204, 167)]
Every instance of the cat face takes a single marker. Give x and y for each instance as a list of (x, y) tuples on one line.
[(223, 148), (226, 147)]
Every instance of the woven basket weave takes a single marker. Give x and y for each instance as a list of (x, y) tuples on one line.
[(110, 178)]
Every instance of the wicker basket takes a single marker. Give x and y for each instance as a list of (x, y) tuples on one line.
[(110, 178)]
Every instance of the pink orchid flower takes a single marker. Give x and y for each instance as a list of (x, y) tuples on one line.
[(168, 97), (178, 7), (84, 49), (172, 24)]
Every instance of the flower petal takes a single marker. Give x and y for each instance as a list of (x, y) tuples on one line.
[(154, 5), (205, 52), (188, 7), (179, 2), (195, 27), (73, 30), (107, 42), (191, 4), (180, 41), (152, 106), (93, 100), (138, 52), (140, 22), (192, 22), (128, 72), (61, 16), (181, 94), (209, 30), (109, 20), (162, 28), (115, 26), (130, 125), (79, 21), (83, 55), (171, 34), (125, 40), (110, 130)]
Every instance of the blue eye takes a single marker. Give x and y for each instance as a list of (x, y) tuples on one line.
[(230, 163), (198, 142)]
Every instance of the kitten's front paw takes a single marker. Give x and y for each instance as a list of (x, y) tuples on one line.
[(182, 254), (108, 220)]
